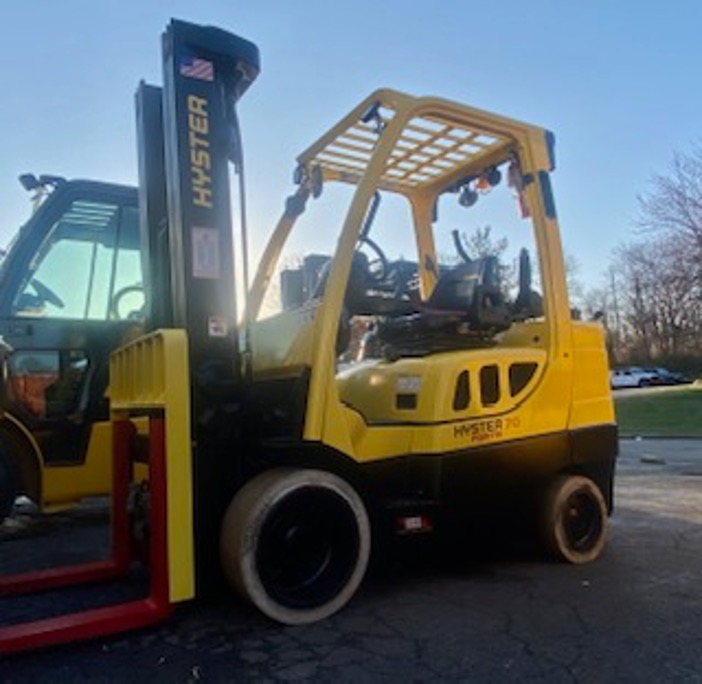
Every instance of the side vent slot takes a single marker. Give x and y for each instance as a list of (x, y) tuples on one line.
[(406, 402), (489, 385), (519, 376), (461, 397)]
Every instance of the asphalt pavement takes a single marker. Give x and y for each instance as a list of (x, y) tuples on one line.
[(463, 615)]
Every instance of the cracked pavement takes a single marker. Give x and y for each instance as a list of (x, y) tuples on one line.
[(464, 615)]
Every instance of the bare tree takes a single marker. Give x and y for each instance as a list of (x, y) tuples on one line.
[(602, 303), (660, 278), (576, 291), (673, 206), (660, 298), (481, 243)]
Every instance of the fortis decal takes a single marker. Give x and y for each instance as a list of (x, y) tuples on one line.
[(199, 144)]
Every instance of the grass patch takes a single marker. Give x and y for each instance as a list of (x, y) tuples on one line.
[(673, 412)]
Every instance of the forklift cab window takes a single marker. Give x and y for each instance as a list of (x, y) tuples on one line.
[(88, 266), (386, 248), (479, 222), (305, 255), (484, 279)]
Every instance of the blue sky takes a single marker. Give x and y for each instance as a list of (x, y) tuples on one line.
[(617, 82)]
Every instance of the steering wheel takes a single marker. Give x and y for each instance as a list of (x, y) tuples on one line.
[(47, 294), (378, 266), (118, 296)]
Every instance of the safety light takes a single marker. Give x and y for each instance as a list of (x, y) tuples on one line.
[(493, 176), (467, 197), (488, 180)]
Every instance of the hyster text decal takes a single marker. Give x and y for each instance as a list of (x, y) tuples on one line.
[(200, 160), (485, 430)]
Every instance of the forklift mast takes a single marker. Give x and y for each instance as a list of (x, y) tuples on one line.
[(190, 249), (187, 137), (153, 209)]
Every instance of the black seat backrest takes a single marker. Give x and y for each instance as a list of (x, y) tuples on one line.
[(473, 289), (456, 288)]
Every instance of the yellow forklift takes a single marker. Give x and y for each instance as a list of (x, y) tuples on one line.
[(355, 396), (71, 291)]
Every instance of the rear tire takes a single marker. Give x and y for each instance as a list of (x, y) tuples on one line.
[(296, 543), (8, 485), (574, 520)]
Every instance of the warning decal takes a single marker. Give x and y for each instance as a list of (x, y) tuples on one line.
[(217, 326), (205, 250)]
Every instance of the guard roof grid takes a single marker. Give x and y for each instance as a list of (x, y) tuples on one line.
[(439, 141)]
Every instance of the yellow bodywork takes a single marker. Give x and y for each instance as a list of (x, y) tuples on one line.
[(68, 484), (545, 374), (57, 487), (148, 376), (417, 147)]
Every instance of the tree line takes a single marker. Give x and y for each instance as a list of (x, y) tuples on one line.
[(650, 301)]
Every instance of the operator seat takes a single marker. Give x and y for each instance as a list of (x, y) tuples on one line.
[(472, 288), (465, 309)]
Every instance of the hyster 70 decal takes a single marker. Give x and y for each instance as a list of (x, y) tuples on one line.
[(200, 159), (486, 430)]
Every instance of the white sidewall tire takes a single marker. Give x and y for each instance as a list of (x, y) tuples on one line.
[(552, 525), (244, 521)]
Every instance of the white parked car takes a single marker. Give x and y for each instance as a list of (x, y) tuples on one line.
[(631, 376)]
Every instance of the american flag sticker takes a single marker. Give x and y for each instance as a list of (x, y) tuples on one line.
[(194, 67)]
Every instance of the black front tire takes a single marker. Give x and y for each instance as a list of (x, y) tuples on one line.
[(574, 520), (8, 485), (296, 544)]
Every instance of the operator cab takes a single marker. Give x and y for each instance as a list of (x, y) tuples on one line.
[(439, 286), (70, 291), (482, 279)]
